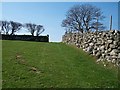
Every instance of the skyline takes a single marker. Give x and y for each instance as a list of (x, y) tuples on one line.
[(51, 14)]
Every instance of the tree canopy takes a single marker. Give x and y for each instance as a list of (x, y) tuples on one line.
[(83, 18), (10, 27)]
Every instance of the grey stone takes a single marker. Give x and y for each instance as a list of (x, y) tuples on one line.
[(119, 49), (103, 55), (111, 31), (110, 41), (94, 52), (104, 34), (112, 46), (119, 55), (99, 42), (109, 49), (106, 51), (102, 47), (91, 44), (108, 58), (98, 48), (89, 41), (78, 45), (103, 51), (115, 42), (103, 42), (98, 54), (113, 52), (98, 60), (95, 47), (89, 49), (114, 61)]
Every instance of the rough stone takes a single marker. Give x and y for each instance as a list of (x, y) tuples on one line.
[(104, 45), (115, 42), (89, 49), (91, 44), (112, 52), (98, 54), (110, 41), (119, 56), (113, 61), (109, 49), (94, 52), (103, 55), (112, 46)]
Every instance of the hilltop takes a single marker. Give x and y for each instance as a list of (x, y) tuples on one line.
[(52, 65)]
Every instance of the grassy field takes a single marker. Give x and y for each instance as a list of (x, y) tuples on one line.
[(52, 65)]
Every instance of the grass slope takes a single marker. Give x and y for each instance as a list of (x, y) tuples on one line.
[(38, 65)]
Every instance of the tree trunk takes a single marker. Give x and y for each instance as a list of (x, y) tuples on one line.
[(32, 34), (12, 32), (6, 33)]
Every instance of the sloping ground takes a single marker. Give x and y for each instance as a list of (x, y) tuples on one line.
[(52, 65)]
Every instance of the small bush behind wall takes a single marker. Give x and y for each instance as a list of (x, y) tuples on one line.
[(26, 38)]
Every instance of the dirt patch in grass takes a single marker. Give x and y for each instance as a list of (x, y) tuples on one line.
[(19, 58), (34, 70)]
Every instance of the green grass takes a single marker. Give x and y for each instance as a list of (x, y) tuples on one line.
[(0, 64), (52, 65)]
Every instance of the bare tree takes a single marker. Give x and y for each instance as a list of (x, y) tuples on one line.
[(15, 26), (39, 29), (83, 18), (5, 27), (31, 28), (73, 20), (1, 27)]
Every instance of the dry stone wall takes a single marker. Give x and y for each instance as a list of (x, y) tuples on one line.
[(105, 45)]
